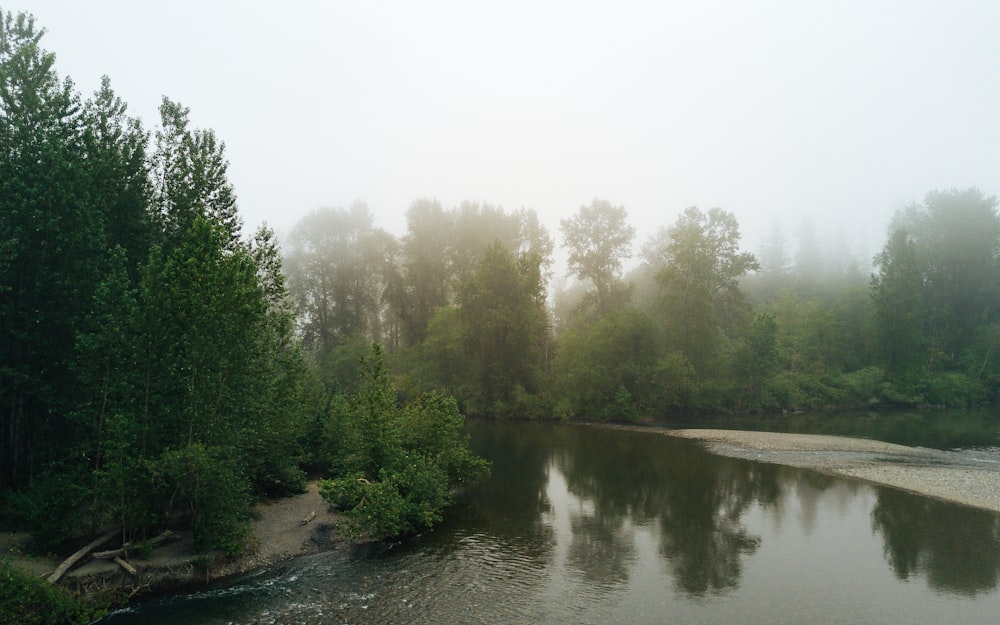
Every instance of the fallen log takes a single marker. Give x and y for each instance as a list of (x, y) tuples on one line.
[(79, 555), (310, 517), (113, 553), (125, 565)]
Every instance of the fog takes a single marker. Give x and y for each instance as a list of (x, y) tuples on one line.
[(835, 114)]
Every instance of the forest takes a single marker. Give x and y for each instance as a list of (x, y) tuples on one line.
[(161, 367), (464, 305), (152, 373)]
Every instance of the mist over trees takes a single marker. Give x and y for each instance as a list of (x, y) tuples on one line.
[(700, 325), (158, 365)]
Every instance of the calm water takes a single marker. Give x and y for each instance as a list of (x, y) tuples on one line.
[(582, 525)]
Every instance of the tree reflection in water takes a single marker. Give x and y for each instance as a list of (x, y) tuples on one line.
[(956, 548), (695, 505), (696, 499)]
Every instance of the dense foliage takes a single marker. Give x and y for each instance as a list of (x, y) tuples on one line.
[(29, 600), (153, 373), (698, 326), (396, 467)]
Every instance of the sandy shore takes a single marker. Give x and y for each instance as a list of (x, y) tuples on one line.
[(945, 475), (277, 533)]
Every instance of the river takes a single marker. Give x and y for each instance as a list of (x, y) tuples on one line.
[(591, 525)]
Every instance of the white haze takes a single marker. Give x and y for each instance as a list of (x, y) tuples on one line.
[(839, 112)]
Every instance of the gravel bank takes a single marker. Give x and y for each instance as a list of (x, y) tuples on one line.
[(941, 474)]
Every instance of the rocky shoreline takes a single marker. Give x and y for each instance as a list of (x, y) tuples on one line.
[(944, 475)]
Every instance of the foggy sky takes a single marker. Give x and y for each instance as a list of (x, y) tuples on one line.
[(840, 111)]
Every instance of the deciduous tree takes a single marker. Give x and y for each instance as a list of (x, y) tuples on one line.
[(598, 239), (504, 324), (700, 281)]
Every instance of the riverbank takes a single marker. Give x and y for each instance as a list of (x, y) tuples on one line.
[(277, 533), (945, 475)]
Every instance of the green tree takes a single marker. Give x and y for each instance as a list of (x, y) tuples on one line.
[(190, 176), (504, 325), (900, 310), (756, 360), (443, 363), (338, 267), (50, 258), (26, 599), (222, 376), (478, 226), (149, 354), (209, 483), (616, 368), (426, 267), (397, 466), (702, 300), (119, 176), (957, 239), (598, 238)]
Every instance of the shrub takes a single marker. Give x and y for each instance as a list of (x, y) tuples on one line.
[(209, 481), (50, 509), (29, 600), (397, 466)]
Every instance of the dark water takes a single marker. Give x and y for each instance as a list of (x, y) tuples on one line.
[(585, 525)]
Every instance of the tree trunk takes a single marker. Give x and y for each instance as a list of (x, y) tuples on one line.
[(114, 553), (125, 565), (79, 555)]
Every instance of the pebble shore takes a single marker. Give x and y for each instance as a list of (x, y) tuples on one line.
[(941, 474)]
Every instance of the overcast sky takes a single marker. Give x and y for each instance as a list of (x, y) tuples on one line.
[(842, 111)]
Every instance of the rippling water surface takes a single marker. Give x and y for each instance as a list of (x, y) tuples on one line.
[(582, 525)]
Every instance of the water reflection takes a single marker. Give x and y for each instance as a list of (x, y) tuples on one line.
[(587, 525), (618, 482), (696, 500), (600, 550), (956, 548)]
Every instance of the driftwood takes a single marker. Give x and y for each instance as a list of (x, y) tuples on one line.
[(79, 555), (125, 565), (310, 517), (114, 553)]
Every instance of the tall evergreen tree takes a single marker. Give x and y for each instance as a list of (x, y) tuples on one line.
[(52, 251), (899, 307), (120, 186), (190, 176)]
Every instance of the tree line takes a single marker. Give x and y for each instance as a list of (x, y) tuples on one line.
[(152, 370), (463, 301)]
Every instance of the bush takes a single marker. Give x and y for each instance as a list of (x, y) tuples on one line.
[(29, 600), (400, 502), (50, 509), (209, 481), (397, 466), (953, 389), (863, 384)]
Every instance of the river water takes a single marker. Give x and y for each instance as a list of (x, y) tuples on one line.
[(590, 525)]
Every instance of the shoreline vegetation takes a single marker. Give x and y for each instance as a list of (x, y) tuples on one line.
[(303, 524), (284, 528)]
